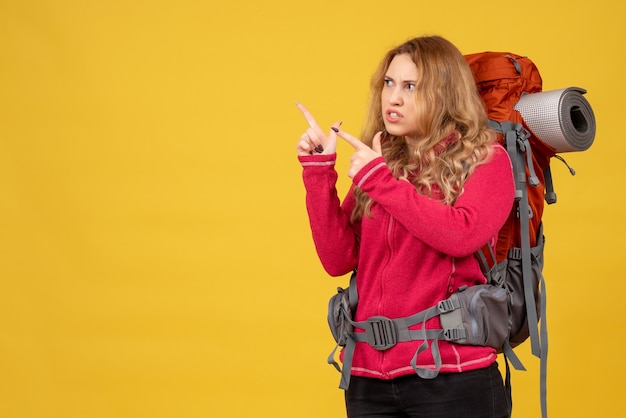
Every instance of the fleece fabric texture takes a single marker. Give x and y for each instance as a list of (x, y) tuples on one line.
[(411, 253)]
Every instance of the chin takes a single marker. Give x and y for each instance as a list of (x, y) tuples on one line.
[(395, 131)]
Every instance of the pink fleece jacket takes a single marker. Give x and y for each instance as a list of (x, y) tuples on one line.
[(411, 253)]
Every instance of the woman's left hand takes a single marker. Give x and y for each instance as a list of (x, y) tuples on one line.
[(363, 154), (314, 140)]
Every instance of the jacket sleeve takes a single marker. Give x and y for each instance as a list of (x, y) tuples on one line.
[(336, 241), (459, 229)]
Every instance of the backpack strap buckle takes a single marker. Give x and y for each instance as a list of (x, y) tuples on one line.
[(453, 334), (380, 332), (448, 305), (515, 253)]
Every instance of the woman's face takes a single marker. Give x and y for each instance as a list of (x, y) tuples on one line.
[(397, 98)]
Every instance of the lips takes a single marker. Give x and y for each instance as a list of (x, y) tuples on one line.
[(393, 116)]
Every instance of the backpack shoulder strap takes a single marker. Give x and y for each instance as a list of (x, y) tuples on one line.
[(539, 343)]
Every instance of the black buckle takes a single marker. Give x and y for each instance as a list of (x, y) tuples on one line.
[(380, 332)]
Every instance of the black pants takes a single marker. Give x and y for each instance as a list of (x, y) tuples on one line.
[(474, 394)]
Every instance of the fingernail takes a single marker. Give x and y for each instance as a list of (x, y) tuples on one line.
[(334, 129), (340, 122), (319, 149)]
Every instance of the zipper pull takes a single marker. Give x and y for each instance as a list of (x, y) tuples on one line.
[(571, 170)]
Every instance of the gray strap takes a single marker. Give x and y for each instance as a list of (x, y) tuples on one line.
[(331, 358), (403, 334), (518, 161), (348, 353), (550, 195), (402, 324), (495, 125), (510, 355), (539, 347), (442, 307), (518, 67), (482, 260), (533, 180), (543, 359), (531, 311), (507, 386), (490, 270), (418, 334), (355, 337), (510, 138), (423, 372), (353, 294), (509, 130)]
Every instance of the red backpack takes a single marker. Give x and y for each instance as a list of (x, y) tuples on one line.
[(501, 79), (516, 263)]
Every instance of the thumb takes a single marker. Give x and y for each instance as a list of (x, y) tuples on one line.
[(333, 130), (376, 143), (354, 142)]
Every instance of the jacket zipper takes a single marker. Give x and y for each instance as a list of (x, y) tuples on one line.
[(389, 241)]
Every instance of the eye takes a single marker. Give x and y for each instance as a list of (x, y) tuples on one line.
[(410, 87), (388, 82)]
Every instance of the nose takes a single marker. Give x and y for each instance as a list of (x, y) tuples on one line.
[(395, 98)]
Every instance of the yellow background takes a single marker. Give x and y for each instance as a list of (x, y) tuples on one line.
[(155, 256)]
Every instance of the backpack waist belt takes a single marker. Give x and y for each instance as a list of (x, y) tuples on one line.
[(382, 333)]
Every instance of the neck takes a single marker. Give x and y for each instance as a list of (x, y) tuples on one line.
[(445, 142), (411, 143)]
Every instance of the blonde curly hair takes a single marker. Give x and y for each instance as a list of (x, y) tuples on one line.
[(452, 123)]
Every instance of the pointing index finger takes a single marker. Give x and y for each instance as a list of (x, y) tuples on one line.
[(307, 115), (355, 142)]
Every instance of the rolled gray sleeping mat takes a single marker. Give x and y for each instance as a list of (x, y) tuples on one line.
[(562, 119)]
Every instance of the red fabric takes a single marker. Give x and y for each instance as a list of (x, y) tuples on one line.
[(499, 83), (502, 78), (412, 253)]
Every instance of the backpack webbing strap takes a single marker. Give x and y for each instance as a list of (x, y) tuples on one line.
[(507, 384), (531, 309), (539, 346), (348, 353), (331, 358), (353, 296), (421, 334), (424, 372), (510, 355), (550, 195), (518, 148), (543, 334), (355, 337), (382, 333), (543, 359), (490, 269), (485, 266)]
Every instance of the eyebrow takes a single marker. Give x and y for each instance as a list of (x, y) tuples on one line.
[(404, 81)]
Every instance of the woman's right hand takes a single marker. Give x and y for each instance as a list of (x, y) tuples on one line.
[(314, 140)]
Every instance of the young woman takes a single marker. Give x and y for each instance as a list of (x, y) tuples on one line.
[(429, 188)]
